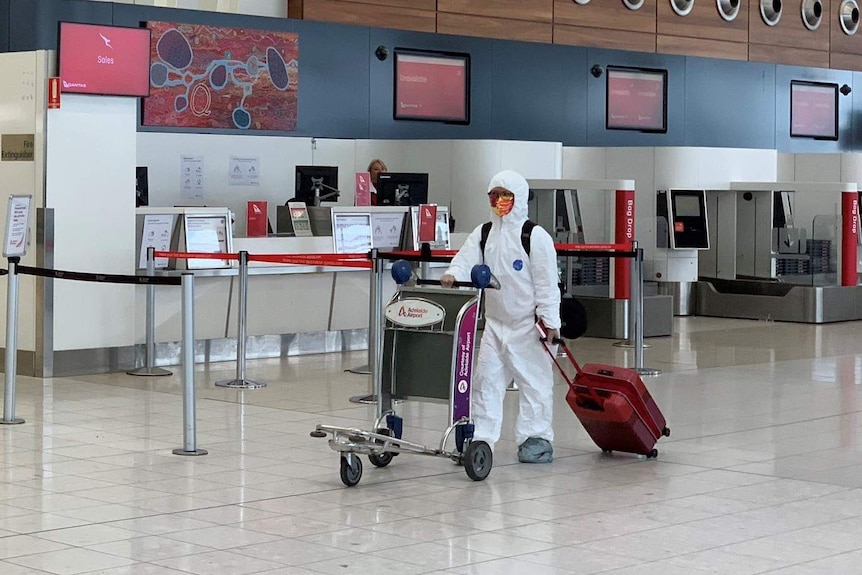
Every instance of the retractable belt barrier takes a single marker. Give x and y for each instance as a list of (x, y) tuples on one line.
[(93, 277), (187, 283)]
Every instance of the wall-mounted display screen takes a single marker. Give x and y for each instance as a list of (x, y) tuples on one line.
[(636, 99), (432, 86), (104, 60), (813, 110)]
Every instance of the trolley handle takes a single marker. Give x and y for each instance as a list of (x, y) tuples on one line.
[(423, 282)]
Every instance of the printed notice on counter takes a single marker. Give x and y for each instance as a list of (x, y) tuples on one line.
[(387, 229), (17, 226), (156, 234), (192, 177), (206, 234), (351, 232), (244, 171)]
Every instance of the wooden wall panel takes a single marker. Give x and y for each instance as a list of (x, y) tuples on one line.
[(530, 10), (416, 4), (608, 14), (699, 47), (599, 38), (790, 31), (790, 56), (703, 21), (845, 61), (376, 15), (487, 27), (841, 42)]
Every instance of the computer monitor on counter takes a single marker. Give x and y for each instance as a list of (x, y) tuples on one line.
[(402, 189), (315, 184)]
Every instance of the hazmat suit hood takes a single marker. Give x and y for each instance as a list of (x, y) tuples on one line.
[(515, 183)]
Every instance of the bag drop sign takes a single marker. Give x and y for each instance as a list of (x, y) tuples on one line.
[(414, 312)]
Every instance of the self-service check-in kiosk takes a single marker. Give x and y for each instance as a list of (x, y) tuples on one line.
[(681, 233), (782, 251), (597, 212)]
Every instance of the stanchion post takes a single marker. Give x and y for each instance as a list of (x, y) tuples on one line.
[(376, 341), (188, 351), (632, 312), (242, 332), (636, 332), (11, 344), (637, 304), (366, 369), (372, 325), (150, 350)]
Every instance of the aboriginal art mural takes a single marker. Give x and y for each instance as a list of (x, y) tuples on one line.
[(211, 77)]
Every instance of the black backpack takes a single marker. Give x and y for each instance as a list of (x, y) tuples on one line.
[(572, 312), (526, 230)]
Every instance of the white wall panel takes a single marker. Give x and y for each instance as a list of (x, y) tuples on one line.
[(162, 153), (90, 184), (584, 163), (22, 111), (786, 170)]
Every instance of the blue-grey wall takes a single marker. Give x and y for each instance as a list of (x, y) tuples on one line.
[(520, 91)]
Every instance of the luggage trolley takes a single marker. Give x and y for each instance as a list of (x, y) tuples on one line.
[(424, 328)]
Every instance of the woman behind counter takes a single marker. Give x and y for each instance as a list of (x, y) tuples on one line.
[(375, 168)]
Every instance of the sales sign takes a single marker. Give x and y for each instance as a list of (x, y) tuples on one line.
[(17, 226)]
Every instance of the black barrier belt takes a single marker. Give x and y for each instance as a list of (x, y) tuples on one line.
[(392, 256), (595, 254), (106, 278), (4, 272)]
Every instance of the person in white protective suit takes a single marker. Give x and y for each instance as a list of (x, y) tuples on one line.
[(511, 347)]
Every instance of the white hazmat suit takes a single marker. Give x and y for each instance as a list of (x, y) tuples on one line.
[(510, 347)]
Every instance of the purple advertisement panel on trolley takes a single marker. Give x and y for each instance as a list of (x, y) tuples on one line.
[(464, 364)]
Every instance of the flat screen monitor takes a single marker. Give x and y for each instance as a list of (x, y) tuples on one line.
[(315, 184), (104, 60), (688, 220), (402, 189), (813, 110), (636, 99), (142, 187), (432, 86)]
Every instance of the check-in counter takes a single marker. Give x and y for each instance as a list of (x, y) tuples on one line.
[(292, 309)]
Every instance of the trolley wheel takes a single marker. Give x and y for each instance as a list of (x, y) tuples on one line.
[(652, 454), (381, 459), (351, 470), (478, 460), (317, 433), (666, 431)]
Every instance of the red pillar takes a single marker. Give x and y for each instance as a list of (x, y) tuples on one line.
[(624, 233), (849, 236)]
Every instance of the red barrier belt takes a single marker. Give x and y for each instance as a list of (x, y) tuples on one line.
[(195, 256), (594, 247), (332, 260)]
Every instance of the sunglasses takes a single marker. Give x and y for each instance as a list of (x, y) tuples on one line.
[(495, 195)]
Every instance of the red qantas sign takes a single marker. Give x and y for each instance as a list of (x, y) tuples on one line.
[(106, 60), (431, 88)]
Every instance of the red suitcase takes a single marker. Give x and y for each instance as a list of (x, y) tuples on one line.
[(614, 406)]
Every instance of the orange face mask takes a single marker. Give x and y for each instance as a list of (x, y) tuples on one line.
[(502, 202)]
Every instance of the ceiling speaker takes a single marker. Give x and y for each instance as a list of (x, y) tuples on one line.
[(770, 11), (633, 4), (812, 13), (848, 15), (682, 7), (728, 9), (582, 2)]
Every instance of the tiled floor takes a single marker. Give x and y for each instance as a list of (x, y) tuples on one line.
[(762, 474)]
